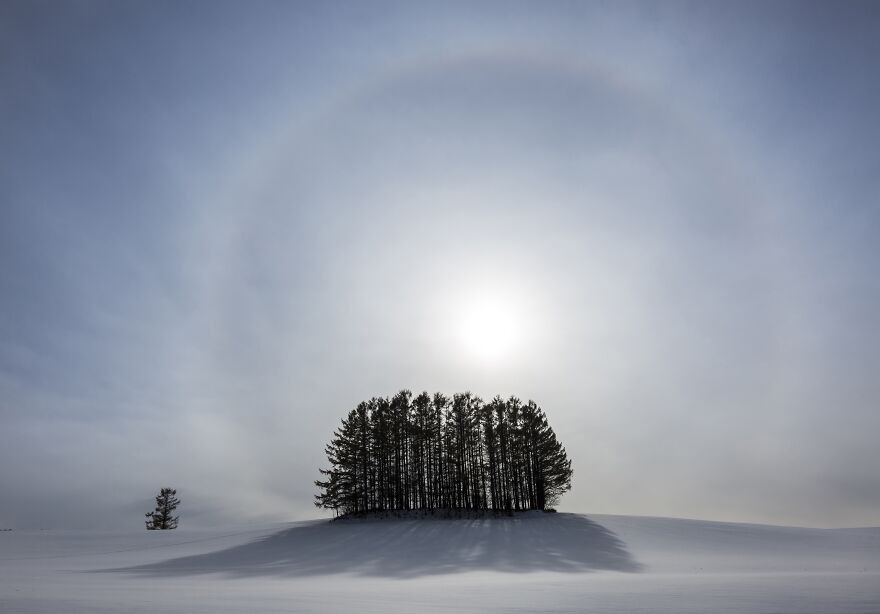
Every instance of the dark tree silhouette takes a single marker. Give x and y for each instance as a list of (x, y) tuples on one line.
[(161, 518), (435, 452)]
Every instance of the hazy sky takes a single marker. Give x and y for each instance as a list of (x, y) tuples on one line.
[(224, 224)]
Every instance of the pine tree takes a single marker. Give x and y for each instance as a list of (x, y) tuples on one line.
[(161, 518)]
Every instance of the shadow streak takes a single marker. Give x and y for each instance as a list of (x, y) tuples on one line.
[(413, 548)]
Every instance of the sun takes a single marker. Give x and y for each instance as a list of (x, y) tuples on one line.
[(490, 329)]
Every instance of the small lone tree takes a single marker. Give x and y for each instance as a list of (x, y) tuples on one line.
[(161, 518)]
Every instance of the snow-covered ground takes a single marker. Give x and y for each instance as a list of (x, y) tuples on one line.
[(530, 563)]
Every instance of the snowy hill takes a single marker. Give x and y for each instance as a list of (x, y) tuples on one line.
[(531, 562)]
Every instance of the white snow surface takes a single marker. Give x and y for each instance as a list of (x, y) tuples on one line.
[(532, 562)]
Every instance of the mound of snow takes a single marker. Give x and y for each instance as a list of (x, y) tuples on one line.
[(410, 547)]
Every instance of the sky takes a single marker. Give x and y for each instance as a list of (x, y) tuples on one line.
[(224, 224)]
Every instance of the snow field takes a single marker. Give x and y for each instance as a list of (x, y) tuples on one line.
[(529, 563)]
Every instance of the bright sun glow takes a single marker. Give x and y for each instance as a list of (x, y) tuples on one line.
[(490, 329)]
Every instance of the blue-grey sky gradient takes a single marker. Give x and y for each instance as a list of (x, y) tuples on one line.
[(222, 224)]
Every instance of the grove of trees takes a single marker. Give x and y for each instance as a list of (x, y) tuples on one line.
[(435, 452)]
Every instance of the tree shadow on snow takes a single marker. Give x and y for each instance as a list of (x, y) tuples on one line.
[(413, 548)]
